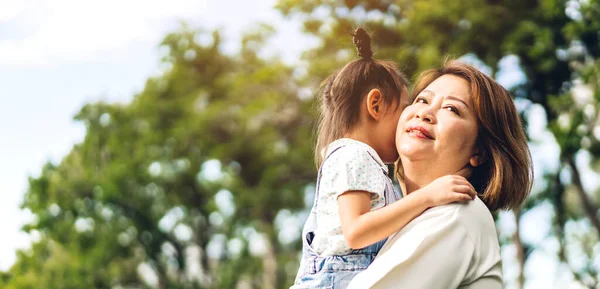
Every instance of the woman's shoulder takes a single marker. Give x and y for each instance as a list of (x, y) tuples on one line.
[(474, 221), (470, 218), (473, 213), (440, 234), (473, 216)]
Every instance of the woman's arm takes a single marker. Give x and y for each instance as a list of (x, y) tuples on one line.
[(362, 227)]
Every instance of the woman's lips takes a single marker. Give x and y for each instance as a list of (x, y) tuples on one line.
[(419, 131)]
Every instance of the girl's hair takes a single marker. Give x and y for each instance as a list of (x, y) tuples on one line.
[(505, 178), (343, 91)]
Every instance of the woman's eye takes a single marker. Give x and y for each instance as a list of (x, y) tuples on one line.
[(452, 109), (421, 100)]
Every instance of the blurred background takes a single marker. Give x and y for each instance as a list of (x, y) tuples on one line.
[(168, 144)]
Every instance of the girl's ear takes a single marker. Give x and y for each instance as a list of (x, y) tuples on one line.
[(375, 104)]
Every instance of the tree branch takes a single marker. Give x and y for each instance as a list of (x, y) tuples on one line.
[(561, 220), (589, 207), (520, 250)]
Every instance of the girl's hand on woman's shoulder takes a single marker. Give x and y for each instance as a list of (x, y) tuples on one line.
[(447, 189)]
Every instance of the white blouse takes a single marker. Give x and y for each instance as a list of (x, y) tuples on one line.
[(451, 246)]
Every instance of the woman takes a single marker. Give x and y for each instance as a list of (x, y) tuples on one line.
[(460, 120)]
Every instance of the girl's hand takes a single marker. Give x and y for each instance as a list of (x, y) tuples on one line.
[(447, 189)]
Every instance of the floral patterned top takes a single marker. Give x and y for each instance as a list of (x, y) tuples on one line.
[(355, 166)]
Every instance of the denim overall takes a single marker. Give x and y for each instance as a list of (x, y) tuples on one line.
[(335, 271)]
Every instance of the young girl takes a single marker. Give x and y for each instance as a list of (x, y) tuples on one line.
[(355, 206)]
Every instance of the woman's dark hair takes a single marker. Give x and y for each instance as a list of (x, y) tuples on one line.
[(505, 178)]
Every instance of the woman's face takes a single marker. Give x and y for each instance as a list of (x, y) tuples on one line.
[(440, 126)]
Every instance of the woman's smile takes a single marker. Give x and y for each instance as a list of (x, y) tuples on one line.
[(418, 132)]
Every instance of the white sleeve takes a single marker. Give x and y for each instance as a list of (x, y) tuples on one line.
[(490, 282), (434, 251)]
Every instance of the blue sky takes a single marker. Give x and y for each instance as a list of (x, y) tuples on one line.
[(57, 55)]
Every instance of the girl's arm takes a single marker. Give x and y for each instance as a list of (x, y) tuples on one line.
[(361, 227)]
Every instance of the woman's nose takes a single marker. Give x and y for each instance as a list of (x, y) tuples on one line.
[(426, 115)]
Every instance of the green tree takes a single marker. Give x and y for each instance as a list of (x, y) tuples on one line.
[(140, 195)]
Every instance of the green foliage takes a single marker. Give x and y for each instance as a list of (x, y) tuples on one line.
[(101, 211)]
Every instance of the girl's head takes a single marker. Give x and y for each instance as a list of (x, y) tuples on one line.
[(462, 118), (364, 92)]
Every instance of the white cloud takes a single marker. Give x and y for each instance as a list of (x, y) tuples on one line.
[(70, 30), (10, 9)]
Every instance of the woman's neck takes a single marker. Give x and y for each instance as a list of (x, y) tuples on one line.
[(416, 174)]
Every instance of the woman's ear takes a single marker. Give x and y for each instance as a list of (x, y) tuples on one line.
[(375, 103), (478, 158)]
